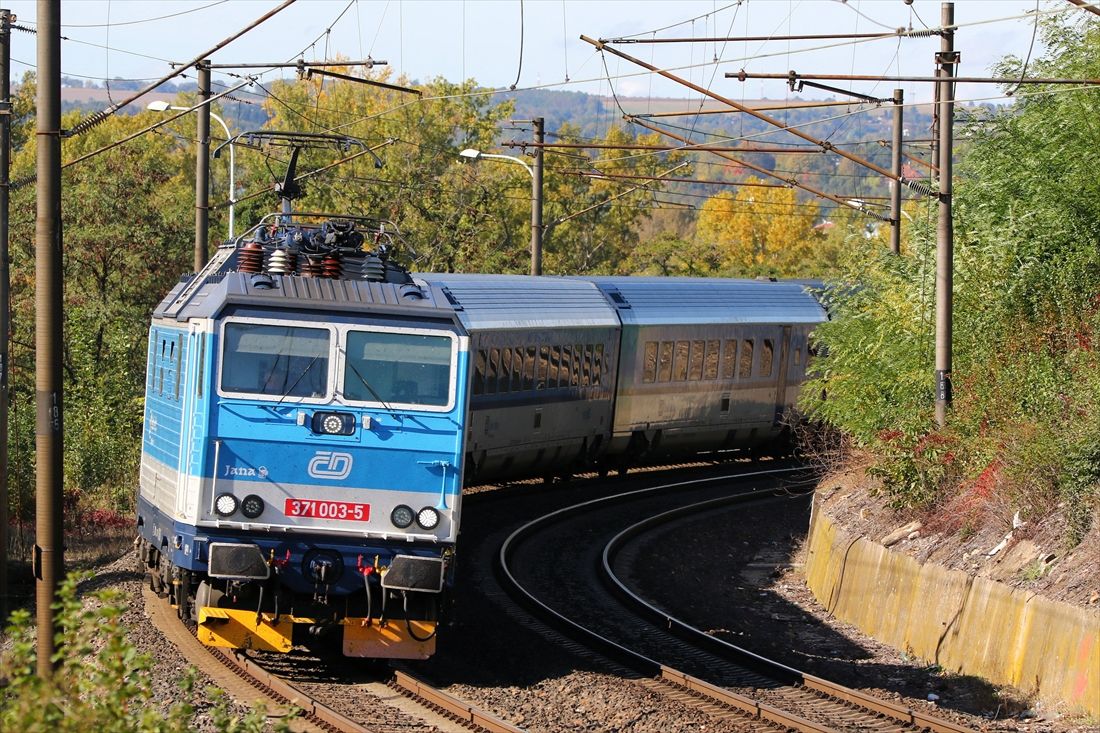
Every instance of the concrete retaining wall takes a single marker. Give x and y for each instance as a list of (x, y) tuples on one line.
[(962, 623)]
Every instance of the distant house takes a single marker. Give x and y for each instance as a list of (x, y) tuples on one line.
[(908, 171)]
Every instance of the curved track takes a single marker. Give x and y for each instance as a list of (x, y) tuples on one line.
[(580, 594)]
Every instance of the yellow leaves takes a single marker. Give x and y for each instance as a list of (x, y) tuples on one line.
[(759, 229)]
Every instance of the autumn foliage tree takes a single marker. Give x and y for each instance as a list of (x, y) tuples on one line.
[(762, 229)]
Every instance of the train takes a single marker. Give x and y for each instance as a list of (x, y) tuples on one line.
[(313, 411)]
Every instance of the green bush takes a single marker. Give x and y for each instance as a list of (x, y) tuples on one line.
[(100, 679), (1027, 273)]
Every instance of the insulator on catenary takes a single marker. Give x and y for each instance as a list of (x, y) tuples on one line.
[(251, 258)]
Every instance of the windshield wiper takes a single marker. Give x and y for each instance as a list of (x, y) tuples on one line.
[(299, 379), (370, 388)]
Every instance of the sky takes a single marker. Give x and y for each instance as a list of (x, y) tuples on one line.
[(482, 39)]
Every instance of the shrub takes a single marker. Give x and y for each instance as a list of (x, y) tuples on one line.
[(100, 679)]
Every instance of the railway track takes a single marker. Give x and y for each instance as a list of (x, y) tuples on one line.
[(589, 602), (249, 682)]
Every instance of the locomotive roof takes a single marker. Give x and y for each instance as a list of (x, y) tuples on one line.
[(505, 302), (204, 296), (683, 300)]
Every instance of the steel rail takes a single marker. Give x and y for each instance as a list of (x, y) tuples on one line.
[(468, 715), (701, 688), (284, 692), (313, 712), (899, 713)]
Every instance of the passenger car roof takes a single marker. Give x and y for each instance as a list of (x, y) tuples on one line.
[(517, 302), (682, 300)]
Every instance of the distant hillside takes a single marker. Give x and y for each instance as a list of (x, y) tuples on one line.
[(850, 127)]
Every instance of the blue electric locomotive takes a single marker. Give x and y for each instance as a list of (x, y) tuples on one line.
[(302, 452)]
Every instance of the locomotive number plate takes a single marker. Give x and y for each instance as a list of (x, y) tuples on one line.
[(327, 509)]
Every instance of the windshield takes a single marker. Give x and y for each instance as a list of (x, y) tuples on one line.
[(403, 368), (281, 361)]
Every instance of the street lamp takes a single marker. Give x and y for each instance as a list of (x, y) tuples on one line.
[(162, 106), (536, 199)]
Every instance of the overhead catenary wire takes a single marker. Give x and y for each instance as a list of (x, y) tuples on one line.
[(31, 179), (793, 181), (795, 76), (142, 20), (95, 119), (551, 85), (826, 145), (403, 106), (899, 33), (491, 92)]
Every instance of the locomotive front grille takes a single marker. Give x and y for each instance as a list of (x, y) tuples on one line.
[(237, 561), (414, 573)]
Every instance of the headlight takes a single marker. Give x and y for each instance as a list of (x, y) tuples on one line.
[(333, 423), (252, 506), (401, 516), (427, 518), (225, 504)]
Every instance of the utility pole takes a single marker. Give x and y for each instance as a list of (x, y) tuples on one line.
[(536, 201), (48, 293), (202, 168), (6, 19), (946, 60), (895, 185)]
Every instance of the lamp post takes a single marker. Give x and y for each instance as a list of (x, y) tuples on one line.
[(536, 200), (161, 106)]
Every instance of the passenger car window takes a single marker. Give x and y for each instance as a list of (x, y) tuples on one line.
[(745, 369), (664, 364), (529, 369), (555, 366), (680, 362), (544, 366), (729, 361), (566, 367), (281, 361), (481, 366), (517, 369), (505, 370), (696, 371), (766, 359), (597, 366), (710, 363), (649, 362), (403, 368), (491, 377)]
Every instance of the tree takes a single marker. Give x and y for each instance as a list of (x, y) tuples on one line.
[(420, 186), (760, 229), (592, 222), (127, 238), (1027, 270)]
